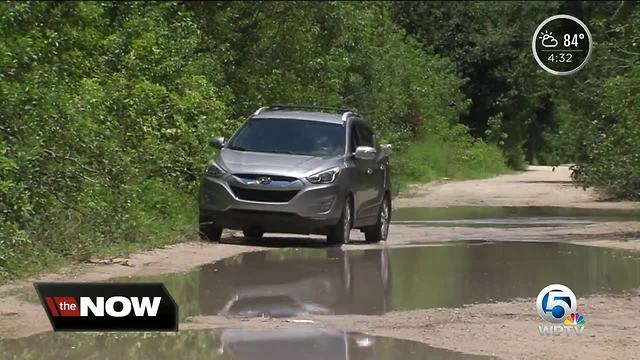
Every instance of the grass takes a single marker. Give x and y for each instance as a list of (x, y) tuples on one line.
[(37, 257), (433, 158), (158, 217)]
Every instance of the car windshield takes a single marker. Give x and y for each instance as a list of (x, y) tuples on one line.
[(290, 136)]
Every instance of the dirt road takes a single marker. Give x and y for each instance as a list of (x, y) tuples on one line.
[(538, 186), (505, 330)]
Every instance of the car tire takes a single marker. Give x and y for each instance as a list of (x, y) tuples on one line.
[(380, 231), (209, 231), (339, 233), (253, 234)]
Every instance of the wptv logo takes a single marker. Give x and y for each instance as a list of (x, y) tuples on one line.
[(557, 306), (108, 306)]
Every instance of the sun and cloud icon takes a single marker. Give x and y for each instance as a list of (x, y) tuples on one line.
[(548, 40)]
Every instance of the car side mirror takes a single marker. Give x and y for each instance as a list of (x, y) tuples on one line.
[(365, 153), (387, 148), (216, 142)]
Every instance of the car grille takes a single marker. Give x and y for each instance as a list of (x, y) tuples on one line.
[(272, 177), (263, 195), (241, 212)]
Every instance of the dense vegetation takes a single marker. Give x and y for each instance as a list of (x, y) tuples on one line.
[(107, 107), (591, 119)]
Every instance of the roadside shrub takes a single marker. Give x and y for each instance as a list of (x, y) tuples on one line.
[(107, 111), (611, 159), (603, 127), (108, 106), (452, 154)]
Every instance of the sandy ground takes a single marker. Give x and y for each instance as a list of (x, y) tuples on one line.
[(505, 330), (538, 186)]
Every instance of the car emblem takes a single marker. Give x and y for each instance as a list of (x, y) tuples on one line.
[(264, 180)]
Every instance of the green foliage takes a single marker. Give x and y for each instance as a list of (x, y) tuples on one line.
[(489, 44), (601, 118), (449, 153), (590, 119), (108, 108), (326, 56), (105, 110)]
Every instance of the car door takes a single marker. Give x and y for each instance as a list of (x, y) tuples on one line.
[(359, 177), (365, 191), (375, 172)]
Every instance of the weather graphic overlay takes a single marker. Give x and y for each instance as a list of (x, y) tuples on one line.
[(562, 45)]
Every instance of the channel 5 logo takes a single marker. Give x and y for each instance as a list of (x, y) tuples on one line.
[(555, 302), (108, 306), (557, 305)]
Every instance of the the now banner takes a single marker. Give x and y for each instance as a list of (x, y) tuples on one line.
[(108, 306)]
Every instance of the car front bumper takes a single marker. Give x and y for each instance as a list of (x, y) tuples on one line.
[(311, 210)]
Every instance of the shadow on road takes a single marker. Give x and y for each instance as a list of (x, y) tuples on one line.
[(561, 182), (279, 241)]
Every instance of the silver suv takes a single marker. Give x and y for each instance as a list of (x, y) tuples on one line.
[(301, 170)]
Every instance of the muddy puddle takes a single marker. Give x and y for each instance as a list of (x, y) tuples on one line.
[(491, 216), (307, 343), (294, 282)]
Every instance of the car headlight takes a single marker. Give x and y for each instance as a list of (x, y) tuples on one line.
[(324, 177), (214, 170)]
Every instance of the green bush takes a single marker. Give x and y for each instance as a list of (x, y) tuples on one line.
[(106, 112), (107, 108), (600, 112), (611, 157), (453, 154)]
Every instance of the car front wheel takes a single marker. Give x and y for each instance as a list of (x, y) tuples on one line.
[(380, 230), (340, 232), (209, 231)]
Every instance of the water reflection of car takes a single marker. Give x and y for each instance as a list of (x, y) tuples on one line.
[(262, 284), (306, 343), (256, 305)]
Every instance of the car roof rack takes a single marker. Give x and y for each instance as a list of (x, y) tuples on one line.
[(278, 107)]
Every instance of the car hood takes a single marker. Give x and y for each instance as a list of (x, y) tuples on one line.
[(246, 162)]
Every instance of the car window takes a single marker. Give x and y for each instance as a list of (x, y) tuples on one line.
[(365, 135), (290, 136), (355, 142)]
